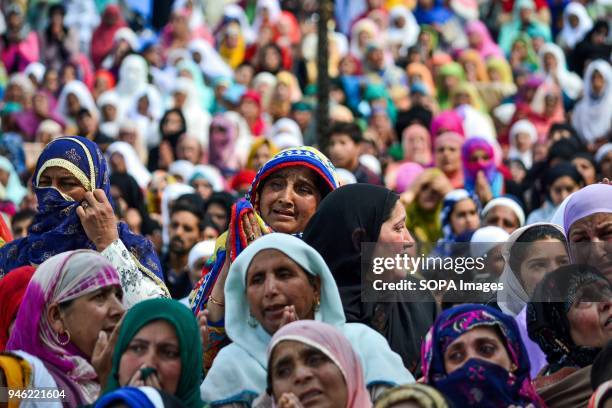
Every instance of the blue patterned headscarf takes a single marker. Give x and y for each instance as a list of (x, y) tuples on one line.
[(448, 205), (56, 227), (478, 382)]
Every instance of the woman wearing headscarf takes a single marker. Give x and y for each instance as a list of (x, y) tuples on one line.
[(480, 172), (74, 97), (416, 144), (474, 66), (585, 212), (447, 121), (418, 395), (359, 213), (593, 47), (418, 72), (447, 156), (449, 76), (553, 65), (558, 182), (260, 152), (206, 180), (102, 38), (529, 254), (12, 289), (576, 24), (424, 204), (460, 214), (133, 165), (403, 28), (14, 191), (339, 376), (481, 41), (71, 182), (566, 317), (172, 126), (222, 141), (67, 291), (523, 21), (501, 83), (592, 116), (523, 136), (204, 95), (363, 32), (496, 375), (177, 370), (254, 315)]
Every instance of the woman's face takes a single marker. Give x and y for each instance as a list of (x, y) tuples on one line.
[(480, 157), (394, 230), (494, 75), (429, 197), (561, 188), (189, 149), (415, 143), (482, 343), (273, 282), (218, 214), (109, 113), (591, 242), (462, 98), (64, 181), (590, 316), (597, 83), (464, 217), (154, 346), (523, 142), (307, 373), (172, 123), (117, 163), (448, 157), (249, 109), (74, 105), (203, 188), (502, 217), (475, 40), (288, 199), (261, 156), (541, 257), (4, 177), (550, 62), (88, 315), (586, 169), (606, 166), (272, 59)]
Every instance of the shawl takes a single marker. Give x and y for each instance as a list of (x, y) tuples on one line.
[(418, 72), (522, 126), (134, 166), (467, 385), (407, 35), (424, 395), (56, 227), (190, 344), (592, 116), (346, 218), (569, 35), (257, 143), (303, 156), (331, 342), (12, 289), (487, 48), (569, 81), (589, 200), (102, 38), (59, 279), (15, 191), (80, 90), (514, 298), (547, 321), (222, 139), (245, 359)]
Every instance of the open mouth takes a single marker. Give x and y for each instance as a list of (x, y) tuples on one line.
[(608, 323), (311, 396), (274, 311), (284, 214)]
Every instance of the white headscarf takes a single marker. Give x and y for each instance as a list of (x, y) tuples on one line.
[(522, 126), (134, 166), (592, 116), (505, 202), (211, 64), (78, 89), (200, 250), (406, 36), (572, 36), (274, 12), (182, 168), (568, 81)]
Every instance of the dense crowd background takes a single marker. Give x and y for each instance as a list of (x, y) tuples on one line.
[(193, 148)]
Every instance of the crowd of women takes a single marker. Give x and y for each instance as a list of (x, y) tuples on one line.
[(200, 243)]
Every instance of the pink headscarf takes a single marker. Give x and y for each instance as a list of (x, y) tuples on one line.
[(422, 154), (405, 175), (331, 342), (456, 179), (61, 278), (447, 121), (488, 48)]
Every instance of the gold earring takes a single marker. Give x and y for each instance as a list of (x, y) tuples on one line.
[(317, 305)]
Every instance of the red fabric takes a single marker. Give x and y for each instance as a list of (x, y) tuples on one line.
[(102, 38), (12, 289), (508, 5), (243, 178), (110, 79), (5, 231)]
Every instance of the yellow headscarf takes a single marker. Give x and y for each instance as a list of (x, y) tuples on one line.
[(255, 147), (17, 372)]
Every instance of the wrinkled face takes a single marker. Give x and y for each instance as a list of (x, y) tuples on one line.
[(288, 199), (343, 151), (184, 232), (482, 343), (542, 257), (502, 217), (64, 181), (275, 281), (155, 346), (590, 316), (100, 310), (464, 217), (561, 188), (448, 157), (308, 373), (591, 242)]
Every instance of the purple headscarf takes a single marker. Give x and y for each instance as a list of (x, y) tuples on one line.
[(596, 198), (222, 142)]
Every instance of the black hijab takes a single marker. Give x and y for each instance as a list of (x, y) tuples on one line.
[(346, 217)]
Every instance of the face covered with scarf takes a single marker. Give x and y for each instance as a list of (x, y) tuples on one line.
[(163, 335), (570, 316), (77, 166), (473, 354)]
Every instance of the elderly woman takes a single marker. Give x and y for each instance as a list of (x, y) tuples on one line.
[(283, 197), (503, 212), (307, 355), (157, 346), (69, 311), (473, 355), (586, 222), (447, 156), (71, 182), (363, 213), (568, 316), (276, 280)]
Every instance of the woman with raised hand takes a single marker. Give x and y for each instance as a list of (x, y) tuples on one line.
[(276, 280), (75, 211), (68, 319)]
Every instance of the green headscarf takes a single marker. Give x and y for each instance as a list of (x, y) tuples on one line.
[(190, 345), (452, 69), (378, 91)]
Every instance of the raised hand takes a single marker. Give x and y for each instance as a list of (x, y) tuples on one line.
[(98, 219)]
